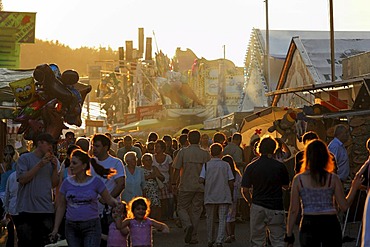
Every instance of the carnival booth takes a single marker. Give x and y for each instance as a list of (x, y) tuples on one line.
[(279, 122)]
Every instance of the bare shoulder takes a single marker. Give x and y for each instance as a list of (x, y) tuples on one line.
[(301, 177), (296, 178), (335, 177)]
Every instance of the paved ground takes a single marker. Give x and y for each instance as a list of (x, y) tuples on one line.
[(176, 237)]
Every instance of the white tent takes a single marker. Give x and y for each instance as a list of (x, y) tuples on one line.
[(259, 123)]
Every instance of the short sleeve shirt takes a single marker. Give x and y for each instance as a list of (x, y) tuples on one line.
[(36, 195), (134, 184), (82, 198), (117, 165), (114, 163), (190, 160), (217, 174), (164, 167), (266, 176), (235, 151)]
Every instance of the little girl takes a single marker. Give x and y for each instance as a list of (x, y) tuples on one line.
[(116, 237), (140, 224)]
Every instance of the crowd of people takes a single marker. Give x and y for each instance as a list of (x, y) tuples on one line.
[(115, 192)]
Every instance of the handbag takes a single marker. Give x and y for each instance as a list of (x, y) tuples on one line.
[(160, 183)]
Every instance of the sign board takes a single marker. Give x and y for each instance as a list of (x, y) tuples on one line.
[(24, 22), (227, 120), (94, 123), (94, 72), (144, 111), (130, 118), (213, 123)]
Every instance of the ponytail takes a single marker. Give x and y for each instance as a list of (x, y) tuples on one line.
[(85, 158), (100, 170)]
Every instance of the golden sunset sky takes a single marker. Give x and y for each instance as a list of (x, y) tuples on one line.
[(204, 26)]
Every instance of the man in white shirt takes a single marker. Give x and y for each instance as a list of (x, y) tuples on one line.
[(116, 183)]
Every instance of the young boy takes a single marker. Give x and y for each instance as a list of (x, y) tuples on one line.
[(218, 179)]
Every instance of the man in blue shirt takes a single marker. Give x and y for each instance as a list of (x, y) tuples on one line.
[(337, 148), (37, 174)]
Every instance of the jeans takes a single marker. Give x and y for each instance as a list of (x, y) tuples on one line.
[(34, 228), (13, 224), (83, 233)]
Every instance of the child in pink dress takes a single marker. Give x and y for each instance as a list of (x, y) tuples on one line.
[(116, 237), (140, 224)]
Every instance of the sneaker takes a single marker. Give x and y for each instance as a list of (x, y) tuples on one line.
[(218, 245), (210, 244), (188, 233)]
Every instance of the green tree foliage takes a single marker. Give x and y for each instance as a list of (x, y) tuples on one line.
[(65, 57)]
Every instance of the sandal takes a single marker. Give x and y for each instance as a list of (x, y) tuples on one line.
[(228, 240)]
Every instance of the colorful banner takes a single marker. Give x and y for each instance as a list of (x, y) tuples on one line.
[(24, 22)]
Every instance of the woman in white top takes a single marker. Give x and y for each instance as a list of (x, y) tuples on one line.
[(163, 162)]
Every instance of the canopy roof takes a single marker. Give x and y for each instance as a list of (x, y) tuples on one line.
[(7, 76), (259, 122)]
